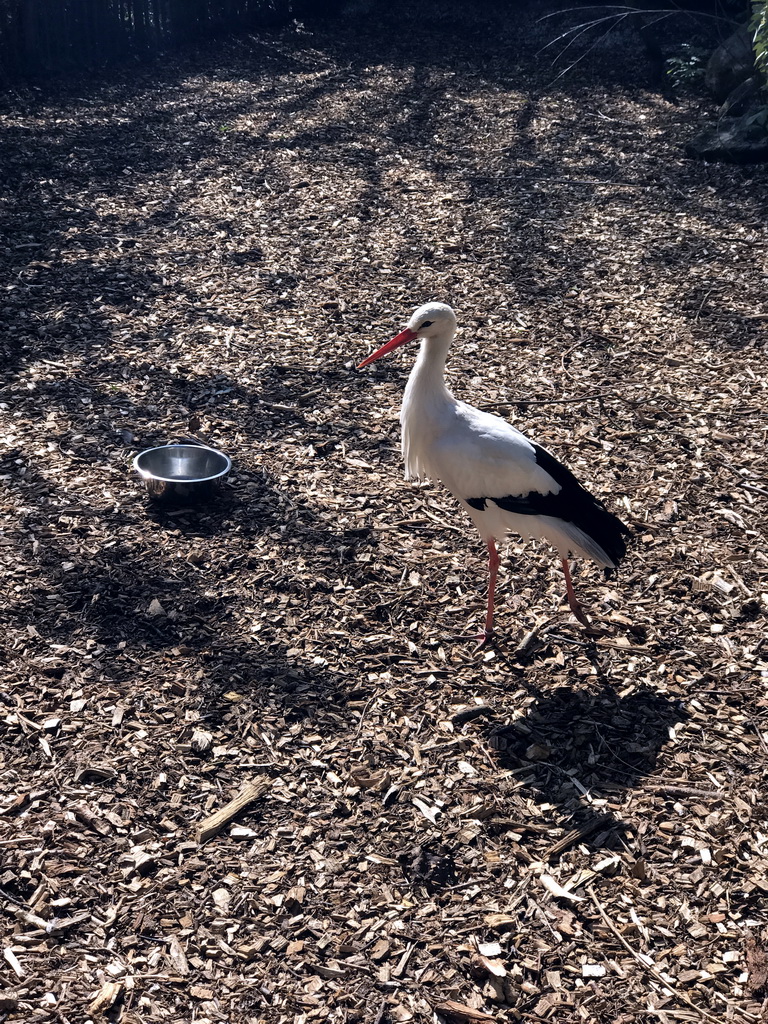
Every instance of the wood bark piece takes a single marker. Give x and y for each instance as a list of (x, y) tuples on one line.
[(576, 835), (215, 822), (459, 1013), (757, 964), (177, 956), (472, 711), (107, 997), (559, 891), (12, 960)]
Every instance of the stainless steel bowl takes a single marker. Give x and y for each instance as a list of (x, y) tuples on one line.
[(182, 472)]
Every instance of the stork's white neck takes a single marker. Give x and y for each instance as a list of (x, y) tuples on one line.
[(427, 380), (427, 403)]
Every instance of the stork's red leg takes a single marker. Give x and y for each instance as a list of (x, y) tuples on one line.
[(493, 572), (573, 602)]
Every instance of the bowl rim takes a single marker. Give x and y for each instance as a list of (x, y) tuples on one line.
[(148, 475)]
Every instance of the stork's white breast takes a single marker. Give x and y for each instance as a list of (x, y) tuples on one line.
[(475, 454)]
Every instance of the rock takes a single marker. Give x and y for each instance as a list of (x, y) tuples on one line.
[(732, 63), (736, 140), (742, 99)]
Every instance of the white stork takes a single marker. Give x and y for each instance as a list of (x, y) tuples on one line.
[(503, 481)]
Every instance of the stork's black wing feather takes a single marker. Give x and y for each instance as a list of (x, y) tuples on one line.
[(572, 503)]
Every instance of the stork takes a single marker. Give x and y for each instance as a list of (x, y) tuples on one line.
[(503, 481)]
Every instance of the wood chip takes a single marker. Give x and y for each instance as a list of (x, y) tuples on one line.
[(215, 822), (12, 960), (458, 1013), (558, 890), (108, 995)]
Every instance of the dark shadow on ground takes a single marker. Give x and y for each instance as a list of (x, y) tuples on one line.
[(58, 172), (580, 746)]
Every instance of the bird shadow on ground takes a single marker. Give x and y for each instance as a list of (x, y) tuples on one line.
[(585, 750)]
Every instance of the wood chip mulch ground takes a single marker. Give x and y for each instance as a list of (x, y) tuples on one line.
[(558, 828)]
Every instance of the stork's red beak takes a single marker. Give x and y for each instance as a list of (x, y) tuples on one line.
[(397, 341)]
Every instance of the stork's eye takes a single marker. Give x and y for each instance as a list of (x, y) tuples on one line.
[(427, 323)]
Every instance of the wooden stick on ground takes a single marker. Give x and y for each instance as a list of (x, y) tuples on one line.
[(215, 822), (657, 976)]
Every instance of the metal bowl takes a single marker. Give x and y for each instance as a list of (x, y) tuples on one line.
[(182, 472)]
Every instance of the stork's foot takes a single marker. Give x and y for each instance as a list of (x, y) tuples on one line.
[(590, 627), (484, 639), (573, 602), (581, 615)]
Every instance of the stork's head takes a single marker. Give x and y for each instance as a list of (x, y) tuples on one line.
[(432, 320)]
